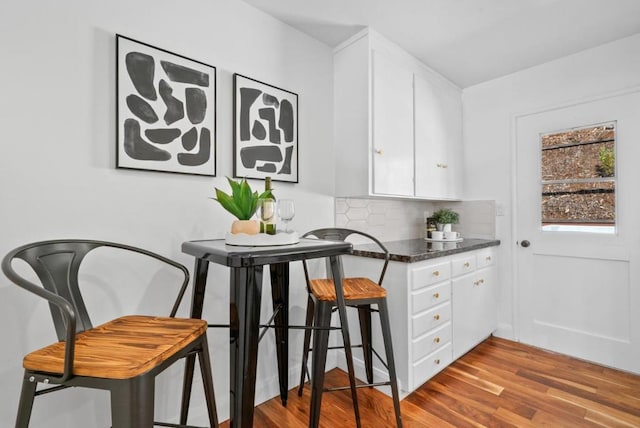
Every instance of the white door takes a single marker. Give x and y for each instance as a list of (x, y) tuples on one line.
[(392, 127), (578, 292)]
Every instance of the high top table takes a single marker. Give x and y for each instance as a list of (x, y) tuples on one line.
[(246, 268)]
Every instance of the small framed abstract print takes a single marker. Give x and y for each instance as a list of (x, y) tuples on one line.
[(265, 131), (166, 110)]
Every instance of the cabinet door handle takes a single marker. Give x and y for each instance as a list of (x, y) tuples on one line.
[(437, 361), (475, 283), (378, 151), (467, 264), (481, 281), (436, 340), (436, 295), (436, 273), (488, 258), (436, 317)]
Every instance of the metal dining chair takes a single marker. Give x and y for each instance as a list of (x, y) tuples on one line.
[(360, 293), (122, 356)]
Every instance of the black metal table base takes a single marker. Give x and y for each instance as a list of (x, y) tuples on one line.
[(246, 273)]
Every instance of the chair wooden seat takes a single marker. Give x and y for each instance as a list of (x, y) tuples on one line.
[(122, 348), (354, 288)]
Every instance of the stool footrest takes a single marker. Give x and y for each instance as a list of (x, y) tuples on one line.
[(362, 385)]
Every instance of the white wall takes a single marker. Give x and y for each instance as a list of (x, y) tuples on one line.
[(488, 114), (57, 111)]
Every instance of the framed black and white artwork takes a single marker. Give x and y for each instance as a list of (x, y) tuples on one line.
[(265, 131), (166, 110)]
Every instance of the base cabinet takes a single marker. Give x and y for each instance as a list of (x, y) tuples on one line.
[(439, 309)]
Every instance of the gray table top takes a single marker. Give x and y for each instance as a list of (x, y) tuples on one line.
[(216, 251)]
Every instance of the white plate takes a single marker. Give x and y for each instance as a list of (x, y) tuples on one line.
[(443, 240), (261, 239)]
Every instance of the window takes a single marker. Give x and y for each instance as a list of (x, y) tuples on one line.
[(578, 179)]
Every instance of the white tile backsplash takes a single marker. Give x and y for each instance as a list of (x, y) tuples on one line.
[(388, 220), (392, 219)]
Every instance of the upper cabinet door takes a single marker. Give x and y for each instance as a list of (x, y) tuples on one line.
[(392, 127), (438, 139)]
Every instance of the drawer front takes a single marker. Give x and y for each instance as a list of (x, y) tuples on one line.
[(486, 257), (463, 265), (429, 343), (431, 319), (431, 296), (426, 368), (431, 274)]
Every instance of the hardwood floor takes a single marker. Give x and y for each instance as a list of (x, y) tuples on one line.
[(498, 384)]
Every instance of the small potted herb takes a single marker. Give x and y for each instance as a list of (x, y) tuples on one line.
[(243, 204), (445, 217)]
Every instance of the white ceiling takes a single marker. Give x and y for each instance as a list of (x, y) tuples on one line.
[(468, 41)]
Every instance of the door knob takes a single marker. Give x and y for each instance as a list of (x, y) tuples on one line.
[(525, 243)]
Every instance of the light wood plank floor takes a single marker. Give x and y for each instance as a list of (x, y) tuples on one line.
[(498, 384)]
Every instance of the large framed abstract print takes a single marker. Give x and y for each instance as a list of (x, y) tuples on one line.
[(166, 110), (265, 131)]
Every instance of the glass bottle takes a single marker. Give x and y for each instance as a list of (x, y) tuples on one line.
[(268, 210)]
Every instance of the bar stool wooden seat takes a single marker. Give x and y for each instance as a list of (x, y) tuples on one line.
[(122, 356), (361, 293)]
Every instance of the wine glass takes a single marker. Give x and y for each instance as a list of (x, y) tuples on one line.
[(286, 211)]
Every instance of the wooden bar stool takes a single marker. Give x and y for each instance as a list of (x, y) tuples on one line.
[(360, 293), (122, 356)]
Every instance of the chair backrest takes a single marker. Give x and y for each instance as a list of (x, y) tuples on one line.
[(57, 263), (342, 234)]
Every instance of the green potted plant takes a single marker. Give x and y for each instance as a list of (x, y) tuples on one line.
[(243, 204), (445, 217)]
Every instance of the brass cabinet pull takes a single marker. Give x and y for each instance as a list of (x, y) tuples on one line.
[(467, 264), (379, 151), (436, 295), (436, 273), (437, 361), (436, 317), (475, 283), (481, 281), (437, 340), (488, 258)]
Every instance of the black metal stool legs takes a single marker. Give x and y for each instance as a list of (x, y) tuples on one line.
[(364, 315), (26, 401), (320, 347), (307, 343), (132, 402), (207, 380), (391, 365)]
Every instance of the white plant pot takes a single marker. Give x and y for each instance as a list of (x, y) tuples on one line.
[(444, 227)]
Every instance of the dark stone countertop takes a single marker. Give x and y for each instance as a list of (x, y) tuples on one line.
[(416, 250)]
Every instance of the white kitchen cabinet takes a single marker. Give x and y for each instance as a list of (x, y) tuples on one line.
[(438, 139), (474, 308), (392, 127), (437, 312), (394, 119)]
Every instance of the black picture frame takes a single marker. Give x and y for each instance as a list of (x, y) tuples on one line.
[(165, 110), (265, 131)]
